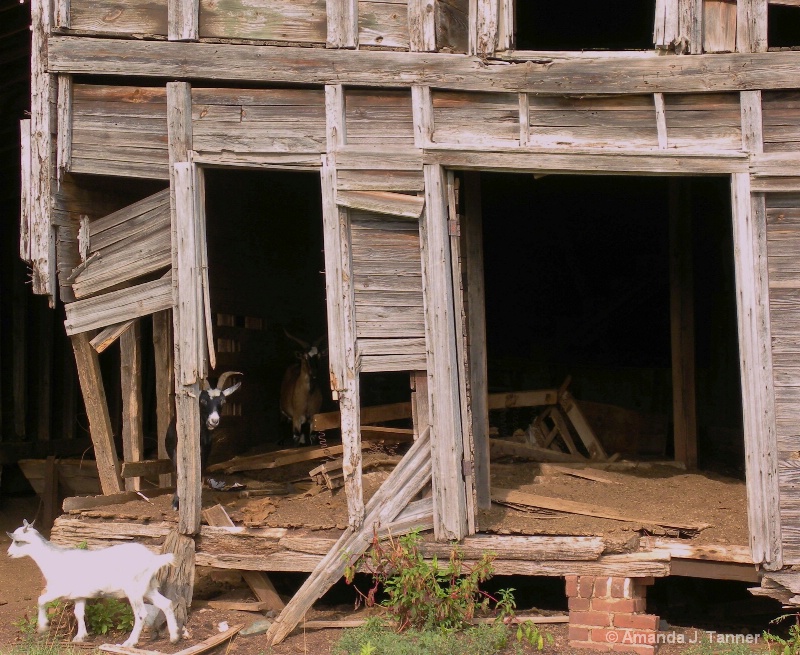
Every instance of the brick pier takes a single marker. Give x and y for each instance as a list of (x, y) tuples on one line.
[(608, 614)]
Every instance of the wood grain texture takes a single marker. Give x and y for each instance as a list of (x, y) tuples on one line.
[(119, 18), (296, 21), (342, 23), (132, 408)]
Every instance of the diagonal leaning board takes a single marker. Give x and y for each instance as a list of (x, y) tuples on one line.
[(405, 481)]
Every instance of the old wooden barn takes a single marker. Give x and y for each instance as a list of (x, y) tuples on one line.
[(487, 207)]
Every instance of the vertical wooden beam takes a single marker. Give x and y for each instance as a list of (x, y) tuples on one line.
[(183, 20), (447, 440), (68, 394), (164, 383), (681, 295), (524, 119), (44, 375), (335, 124), (752, 121), (755, 355), (462, 345), (421, 25), (61, 14), (131, 379), (690, 37), (64, 137), (506, 25), (751, 26), (344, 368), (420, 403), (472, 227), (472, 27), (19, 337), (342, 18), (25, 190), (666, 24), (43, 100), (177, 582), (94, 398), (50, 495), (486, 24), (661, 120), (422, 113)]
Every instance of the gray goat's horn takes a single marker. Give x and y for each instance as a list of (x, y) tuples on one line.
[(304, 344), (223, 378), (206, 385)]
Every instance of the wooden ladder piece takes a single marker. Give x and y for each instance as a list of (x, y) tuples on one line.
[(404, 482), (257, 581)]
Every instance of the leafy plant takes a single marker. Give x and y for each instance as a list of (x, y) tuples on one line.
[(424, 594), (109, 614), (529, 633), (789, 645)]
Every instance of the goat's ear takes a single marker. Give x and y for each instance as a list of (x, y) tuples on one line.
[(10, 536), (227, 392)]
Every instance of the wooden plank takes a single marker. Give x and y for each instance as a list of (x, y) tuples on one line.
[(109, 335), (94, 399), (132, 408), (752, 126), (567, 73), (64, 133), (369, 415), (275, 459), (118, 18), (447, 447), (510, 496), (421, 25), (25, 191), (183, 18), (259, 583), (422, 111), (719, 26), (690, 19), (342, 16), (383, 24), (523, 399), (403, 483), (661, 120), (502, 448), (758, 400), (623, 162), (164, 384), (295, 21), (50, 495), (487, 27), (681, 278), (344, 378), (751, 26), (335, 123), (548, 469), (524, 119), (715, 570), (146, 468), (679, 548), (118, 306), (382, 202)]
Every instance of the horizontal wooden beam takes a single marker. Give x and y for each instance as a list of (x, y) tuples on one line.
[(382, 202), (587, 162), (146, 467), (565, 74)]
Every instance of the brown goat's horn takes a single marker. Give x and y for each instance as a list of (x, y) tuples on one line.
[(223, 378), (206, 385), (304, 344)]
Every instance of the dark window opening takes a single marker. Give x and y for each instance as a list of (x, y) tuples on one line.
[(584, 25), (783, 29)]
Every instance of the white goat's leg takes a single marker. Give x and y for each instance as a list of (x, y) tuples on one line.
[(80, 613), (166, 605), (43, 621), (139, 612)]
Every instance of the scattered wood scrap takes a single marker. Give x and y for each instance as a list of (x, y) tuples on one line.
[(238, 606), (197, 649), (501, 448), (780, 585), (518, 498), (331, 475), (548, 469)]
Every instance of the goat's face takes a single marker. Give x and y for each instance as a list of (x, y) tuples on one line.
[(21, 539), (212, 400)]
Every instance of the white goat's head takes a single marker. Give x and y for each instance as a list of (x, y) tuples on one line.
[(22, 538)]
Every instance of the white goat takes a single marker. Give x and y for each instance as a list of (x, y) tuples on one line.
[(127, 570)]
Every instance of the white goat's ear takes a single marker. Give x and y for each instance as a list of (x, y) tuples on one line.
[(10, 536), (227, 392)]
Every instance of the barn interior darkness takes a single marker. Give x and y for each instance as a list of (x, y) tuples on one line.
[(577, 283)]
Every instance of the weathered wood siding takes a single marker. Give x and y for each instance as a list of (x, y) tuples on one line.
[(295, 21), (478, 118), (119, 16), (708, 121), (120, 130), (387, 273), (783, 244), (378, 117), (258, 120), (452, 25), (383, 23), (781, 116)]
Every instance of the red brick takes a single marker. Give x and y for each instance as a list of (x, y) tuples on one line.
[(644, 582), (586, 586), (602, 587), (639, 649), (589, 644), (621, 588), (572, 585), (614, 605), (579, 604), (607, 635), (599, 619), (577, 633), (639, 605), (636, 621)]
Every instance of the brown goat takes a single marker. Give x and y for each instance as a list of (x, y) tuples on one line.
[(301, 396)]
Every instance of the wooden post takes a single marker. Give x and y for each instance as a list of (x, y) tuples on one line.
[(690, 25), (164, 383), (681, 286), (661, 120), (342, 23), (472, 227), (421, 25), (19, 336), (751, 26), (183, 20), (420, 403), (486, 23), (25, 199), (64, 136), (447, 440), (131, 380), (94, 397), (177, 582), (422, 112), (44, 375), (50, 497), (344, 372), (755, 355)]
